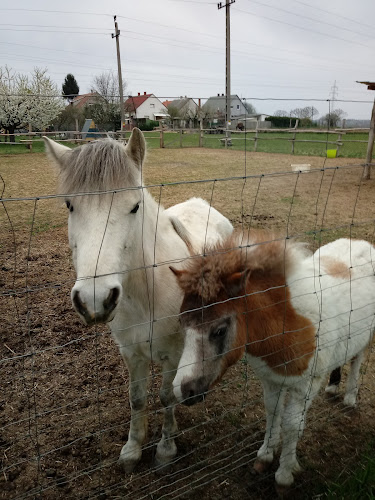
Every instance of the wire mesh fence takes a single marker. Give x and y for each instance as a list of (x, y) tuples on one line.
[(65, 405)]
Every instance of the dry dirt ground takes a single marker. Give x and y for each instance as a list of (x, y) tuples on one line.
[(64, 410)]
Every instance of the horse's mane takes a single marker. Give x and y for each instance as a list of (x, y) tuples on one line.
[(263, 251), (98, 166)]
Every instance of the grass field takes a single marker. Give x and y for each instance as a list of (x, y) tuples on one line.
[(267, 142), (55, 395)]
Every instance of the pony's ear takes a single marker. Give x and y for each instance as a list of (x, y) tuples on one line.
[(179, 273), (235, 284), (136, 147), (56, 152)]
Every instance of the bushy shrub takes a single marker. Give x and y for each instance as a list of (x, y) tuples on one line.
[(149, 125)]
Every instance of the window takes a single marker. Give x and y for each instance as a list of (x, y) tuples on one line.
[(152, 105), (238, 106)]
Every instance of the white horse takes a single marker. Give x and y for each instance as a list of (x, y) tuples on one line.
[(122, 242), (296, 316)]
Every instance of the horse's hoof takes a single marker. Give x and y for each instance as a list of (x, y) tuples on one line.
[(128, 467), (260, 467)]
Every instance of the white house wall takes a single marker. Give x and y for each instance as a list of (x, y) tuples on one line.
[(149, 107)]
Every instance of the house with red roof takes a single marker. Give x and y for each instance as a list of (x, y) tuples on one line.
[(80, 101), (142, 108)]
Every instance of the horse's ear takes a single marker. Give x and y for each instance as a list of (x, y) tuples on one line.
[(236, 283), (56, 152), (136, 147)]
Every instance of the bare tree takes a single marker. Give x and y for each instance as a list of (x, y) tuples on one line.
[(106, 85), (106, 111), (281, 112), (332, 119)]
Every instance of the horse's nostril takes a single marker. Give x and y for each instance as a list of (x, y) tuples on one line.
[(111, 301), (78, 304)]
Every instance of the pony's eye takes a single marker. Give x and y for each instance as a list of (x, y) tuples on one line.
[(135, 209), (67, 203), (219, 333)]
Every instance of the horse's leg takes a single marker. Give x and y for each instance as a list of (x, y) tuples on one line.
[(351, 392), (166, 449), (334, 381), (274, 400), (131, 452), (293, 424)]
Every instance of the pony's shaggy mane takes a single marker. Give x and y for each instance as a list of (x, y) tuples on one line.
[(261, 251), (98, 166)]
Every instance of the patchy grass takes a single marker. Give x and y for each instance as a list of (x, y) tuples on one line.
[(268, 142)]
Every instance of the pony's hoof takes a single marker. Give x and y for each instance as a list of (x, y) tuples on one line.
[(350, 401), (161, 467), (282, 491), (260, 467), (332, 390)]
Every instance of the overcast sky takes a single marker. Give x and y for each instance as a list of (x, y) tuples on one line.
[(295, 49)]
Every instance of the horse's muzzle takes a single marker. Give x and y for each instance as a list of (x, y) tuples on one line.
[(104, 315)]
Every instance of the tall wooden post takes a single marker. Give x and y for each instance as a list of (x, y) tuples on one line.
[(227, 5), (122, 109), (370, 145), (371, 135)]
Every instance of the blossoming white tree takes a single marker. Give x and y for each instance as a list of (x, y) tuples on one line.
[(27, 101)]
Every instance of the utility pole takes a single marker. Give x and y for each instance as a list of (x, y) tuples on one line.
[(122, 109), (227, 5)]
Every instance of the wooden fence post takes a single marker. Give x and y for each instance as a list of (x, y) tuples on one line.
[(338, 143), (293, 139), (370, 145), (161, 138), (180, 137), (256, 137), (201, 133)]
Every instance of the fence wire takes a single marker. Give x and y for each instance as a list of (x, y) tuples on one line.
[(65, 411)]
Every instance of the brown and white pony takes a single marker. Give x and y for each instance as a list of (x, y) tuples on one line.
[(297, 316)]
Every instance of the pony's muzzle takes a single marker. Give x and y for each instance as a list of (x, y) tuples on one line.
[(193, 391), (103, 310)]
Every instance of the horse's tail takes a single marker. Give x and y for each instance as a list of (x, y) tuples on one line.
[(182, 232)]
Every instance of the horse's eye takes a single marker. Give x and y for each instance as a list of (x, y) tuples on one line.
[(219, 333), (135, 209), (67, 203)]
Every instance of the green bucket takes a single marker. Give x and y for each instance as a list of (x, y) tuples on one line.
[(331, 153)]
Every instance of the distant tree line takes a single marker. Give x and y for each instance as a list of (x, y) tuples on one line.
[(308, 117)]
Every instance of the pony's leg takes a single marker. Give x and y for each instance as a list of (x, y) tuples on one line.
[(166, 449), (138, 370), (274, 400), (293, 424), (351, 392), (334, 381)]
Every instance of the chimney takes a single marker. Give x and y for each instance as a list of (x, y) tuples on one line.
[(144, 93), (139, 93)]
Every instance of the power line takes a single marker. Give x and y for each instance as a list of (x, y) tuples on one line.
[(45, 11), (56, 32), (320, 33), (320, 21), (54, 26), (331, 13)]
